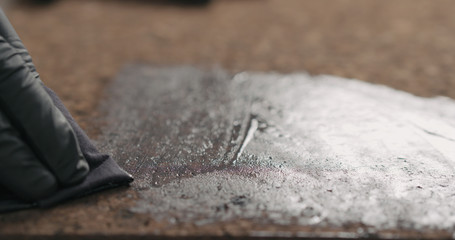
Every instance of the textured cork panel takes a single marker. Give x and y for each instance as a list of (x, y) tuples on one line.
[(79, 46), (265, 155)]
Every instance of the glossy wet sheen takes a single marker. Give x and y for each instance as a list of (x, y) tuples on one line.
[(282, 149), (263, 154)]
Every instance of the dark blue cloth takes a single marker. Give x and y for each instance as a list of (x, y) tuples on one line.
[(104, 171)]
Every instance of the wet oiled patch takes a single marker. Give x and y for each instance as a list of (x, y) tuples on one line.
[(323, 152), (258, 154)]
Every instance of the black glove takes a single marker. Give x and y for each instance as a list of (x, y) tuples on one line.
[(39, 151)]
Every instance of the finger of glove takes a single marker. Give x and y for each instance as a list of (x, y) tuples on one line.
[(9, 34), (20, 171), (33, 113)]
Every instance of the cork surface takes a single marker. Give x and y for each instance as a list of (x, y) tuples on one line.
[(263, 155), (80, 46)]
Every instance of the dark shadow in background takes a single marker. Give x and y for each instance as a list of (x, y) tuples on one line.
[(183, 3)]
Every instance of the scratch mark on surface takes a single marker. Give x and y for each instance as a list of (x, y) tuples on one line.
[(432, 133), (251, 129)]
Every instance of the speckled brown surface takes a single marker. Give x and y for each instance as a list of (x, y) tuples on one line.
[(79, 45), (262, 155)]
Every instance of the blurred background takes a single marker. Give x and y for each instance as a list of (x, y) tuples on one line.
[(80, 45)]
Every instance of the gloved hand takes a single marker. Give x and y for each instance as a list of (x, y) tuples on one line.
[(39, 152)]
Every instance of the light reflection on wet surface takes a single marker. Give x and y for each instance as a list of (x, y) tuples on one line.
[(207, 147)]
